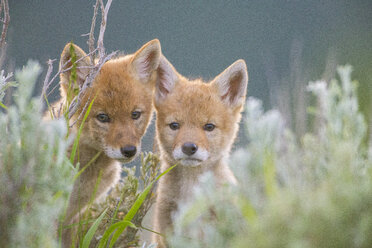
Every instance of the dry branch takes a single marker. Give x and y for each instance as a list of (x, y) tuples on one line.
[(4, 8), (91, 33), (102, 58), (6, 20), (94, 68), (62, 69), (75, 104), (47, 78)]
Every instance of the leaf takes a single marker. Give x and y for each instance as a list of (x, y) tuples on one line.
[(92, 230), (3, 106), (120, 230), (87, 165)]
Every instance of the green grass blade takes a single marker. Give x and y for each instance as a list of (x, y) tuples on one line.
[(152, 231), (3, 106), (270, 174), (92, 230), (107, 234), (87, 165), (131, 213), (48, 106), (76, 143), (120, 230), (117, 208), (137, 204), (110, 230)]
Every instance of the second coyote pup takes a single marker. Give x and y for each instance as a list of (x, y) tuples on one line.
[(120, 114), (196, 125)]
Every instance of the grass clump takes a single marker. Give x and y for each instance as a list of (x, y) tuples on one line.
[(122, 199)]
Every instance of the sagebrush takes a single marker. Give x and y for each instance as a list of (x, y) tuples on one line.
[(35, 176)]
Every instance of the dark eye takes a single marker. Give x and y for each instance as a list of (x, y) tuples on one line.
[(174, 126), (209, 127), (103, 118), (136, 115)]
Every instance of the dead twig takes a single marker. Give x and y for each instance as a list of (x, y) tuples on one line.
[(91, 33), (46, 80), (101, 48), (83, 111), (93, 69), (63, 69), (102, 59), (6, 19), (75, 104)]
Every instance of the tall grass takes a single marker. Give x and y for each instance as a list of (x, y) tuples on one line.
[(313, 193), (126, 206)]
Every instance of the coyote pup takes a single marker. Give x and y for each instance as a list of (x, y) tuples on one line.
[(196, 124), (120, 114)]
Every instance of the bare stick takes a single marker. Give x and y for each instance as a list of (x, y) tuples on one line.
[(3, 45), (6, 21), (102, 59), (83, 111), (63, 69), (1, 7), (105, 9), (46, 80), (91, 33), (75, 104), (94, 69)]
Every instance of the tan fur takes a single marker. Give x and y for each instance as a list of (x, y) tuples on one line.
[(193, 104), (123, 85)]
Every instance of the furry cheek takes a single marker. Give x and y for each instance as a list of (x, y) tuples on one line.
[(98, 132), (215, 141), (141, 123), (89, 133), (167, 137)]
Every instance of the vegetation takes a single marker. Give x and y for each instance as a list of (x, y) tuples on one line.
[(35, 176), (315, 193), (122, 198), (304, 190)]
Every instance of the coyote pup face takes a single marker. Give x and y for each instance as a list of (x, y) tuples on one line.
[(196, 121), (122, 93)]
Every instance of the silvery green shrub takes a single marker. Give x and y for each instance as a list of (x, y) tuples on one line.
[(35, 176)]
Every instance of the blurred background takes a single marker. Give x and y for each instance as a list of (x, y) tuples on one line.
[(285, 43)]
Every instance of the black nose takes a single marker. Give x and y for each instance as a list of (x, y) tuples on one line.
[(128, 151), (189, 148)]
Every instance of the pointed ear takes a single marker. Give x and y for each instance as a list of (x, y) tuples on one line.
[(70, 53), (232, 84), (167, 78), (146, 60)]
